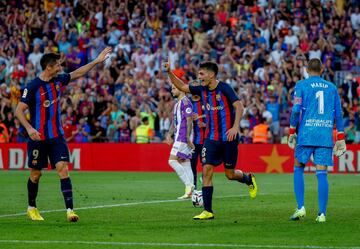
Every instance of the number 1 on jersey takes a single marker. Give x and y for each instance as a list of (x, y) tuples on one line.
[(320, 97)]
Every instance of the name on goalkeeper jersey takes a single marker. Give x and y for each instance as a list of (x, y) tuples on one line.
[(319, 123), (316, 84)]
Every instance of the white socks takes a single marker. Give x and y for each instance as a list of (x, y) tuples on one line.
[(187, 167), (184, 171)]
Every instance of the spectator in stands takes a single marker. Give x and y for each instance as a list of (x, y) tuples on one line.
[(284, 138), (261, 133), (82, 131), (245, 136), (97, 133), (143, 133), (350, 132), (4, 133)]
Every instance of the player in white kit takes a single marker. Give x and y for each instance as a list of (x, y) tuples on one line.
[(183, 147)]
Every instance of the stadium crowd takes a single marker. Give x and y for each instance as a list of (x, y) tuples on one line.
[(261, 47)]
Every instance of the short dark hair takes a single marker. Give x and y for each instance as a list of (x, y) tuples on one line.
[(49, 59), (145, 119), (315, 65), (210, 66)]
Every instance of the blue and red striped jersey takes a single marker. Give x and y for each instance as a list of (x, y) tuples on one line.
[(199, 132), (220, 112), (43, 100)]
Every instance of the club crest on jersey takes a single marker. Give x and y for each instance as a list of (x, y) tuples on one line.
[(46, 103), (57, 87), (188, 110), (34, 162), (218, 97)]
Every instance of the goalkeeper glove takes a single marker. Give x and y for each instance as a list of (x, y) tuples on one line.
[(292, 137), (340, 145)]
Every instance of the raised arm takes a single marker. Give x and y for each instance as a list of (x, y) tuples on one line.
[(86, 68), (175, 80)]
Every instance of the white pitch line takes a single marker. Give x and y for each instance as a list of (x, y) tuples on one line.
[(115, 205), (172, 244)]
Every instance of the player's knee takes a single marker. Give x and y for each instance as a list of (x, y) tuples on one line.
[(62, 169), (321, 167), (297, 163), (172, 163), (35, 176)]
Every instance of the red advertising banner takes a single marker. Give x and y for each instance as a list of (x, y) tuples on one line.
[(269, 158)]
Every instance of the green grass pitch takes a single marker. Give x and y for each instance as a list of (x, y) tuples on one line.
[(140, 210)]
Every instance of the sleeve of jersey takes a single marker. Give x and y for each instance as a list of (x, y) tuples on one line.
[(338, 114), (187, 109), (230, 93), (27, 95), (295, 114), (64, 79), (196, 90)]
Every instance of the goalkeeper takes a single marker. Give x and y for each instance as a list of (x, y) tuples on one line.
[(316, 107)]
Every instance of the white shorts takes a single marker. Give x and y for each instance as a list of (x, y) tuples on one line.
[(181, 150)]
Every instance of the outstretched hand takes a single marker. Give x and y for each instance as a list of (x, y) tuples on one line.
[(104, 55), (166, 65)]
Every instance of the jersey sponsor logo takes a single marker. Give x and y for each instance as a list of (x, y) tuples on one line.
[(188, 110), (25, 93), (297, 101), (214, 108), (319, 123)]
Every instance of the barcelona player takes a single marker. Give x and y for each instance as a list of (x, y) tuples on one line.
[(316, 107), (199, 126), (224, 112), (42, 97)]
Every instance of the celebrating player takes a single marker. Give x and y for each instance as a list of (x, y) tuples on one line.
[(224, 111), (182, 149), (318, 103), (42, 97)]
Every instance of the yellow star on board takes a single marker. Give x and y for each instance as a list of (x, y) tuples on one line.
[(274, 161)]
